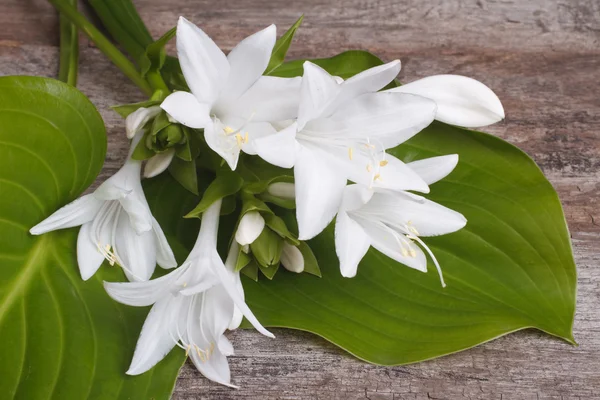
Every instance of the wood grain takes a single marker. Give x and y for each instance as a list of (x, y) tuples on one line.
[(543, 60)]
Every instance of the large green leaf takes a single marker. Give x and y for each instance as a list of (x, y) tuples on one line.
[(60, 337)]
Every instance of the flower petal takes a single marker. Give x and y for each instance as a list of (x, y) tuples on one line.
[(319, 188), (137, 119), (255, 130), (280, 148), (164, 254), (351, 244), (270, 99), (292, 258), (250, 227), (203, 64), (76, 213), (187, 110), (222, 144), (461, 101), (230, 263), (136, 252), (155, 340), (158, 163), (89, 258), (248, 60), (433, 169), (317, 91)]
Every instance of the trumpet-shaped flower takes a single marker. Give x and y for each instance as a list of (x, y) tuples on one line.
[(393, 222), (342, 132), (192, 308), (460, 100), (230, 99), (116, 225)]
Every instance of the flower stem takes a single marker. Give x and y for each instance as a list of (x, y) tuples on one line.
[(69, 50), (102, 43)]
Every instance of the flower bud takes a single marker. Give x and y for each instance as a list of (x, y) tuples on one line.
[(140, 117), (292, 258), (250, 227), (283, 190), (158, 163)]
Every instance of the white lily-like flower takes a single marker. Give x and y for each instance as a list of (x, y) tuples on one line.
[(342, 132), (393, 222), (230, 99), (192, 308), (460, 100), (116, 225)]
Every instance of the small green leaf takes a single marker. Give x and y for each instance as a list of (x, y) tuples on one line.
[(251, 271), (184, 172), (225, 184), (266, 249), (141, 151), (281, 47), (125, 109), (154, 56), (311, 265), (269, 271), (278, 226), (251, 203), (242, 261)]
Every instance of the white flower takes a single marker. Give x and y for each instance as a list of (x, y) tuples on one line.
[(230, 99), (250, 227), (192, 308), (137, 119), (460, 100), (342, 132), (393, 222), (117, 225), (292, 258)]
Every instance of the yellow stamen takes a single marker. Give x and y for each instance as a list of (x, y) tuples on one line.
[(412, 229), (228, 130), (369, 168), (239, 139), (187, 351), (404, 252), (246, 138), (377, 177), (184, 284), (350, 153), (383, 163)]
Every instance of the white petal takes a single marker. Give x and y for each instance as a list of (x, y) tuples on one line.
[(248, 60), (255, 130), (250, 227), (142, 294), (203, 64), (280, 148), (221, 144), (230, 263), (136, 252), (434, 169), (158, 163), (396, 175), (136, 207), (89, 258), (461, 101), (283, 190), (269, 99), (225, 346), (319, 188), (164, 254), (155, 341), (76, 213), (368, 81), (351, 244), (355, 196), (386, 118), (184, 108), (317, 91), (386, 243), (137, 119), (292, 258)]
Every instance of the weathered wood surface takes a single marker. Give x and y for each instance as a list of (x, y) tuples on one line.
[(541, 57)]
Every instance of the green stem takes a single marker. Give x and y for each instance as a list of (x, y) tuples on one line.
[(69, 50), (157, 82), (102, 43)]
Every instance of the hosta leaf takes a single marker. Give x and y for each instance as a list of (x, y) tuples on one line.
[(60, 337)]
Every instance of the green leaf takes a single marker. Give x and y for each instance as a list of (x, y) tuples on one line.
[(281, 47), (69, 50), (270, 271), (242, 260), (121, 20), (510, 268), (125, 109), (184, 172), (154, 56), (60, 337), (278, 226), (251, 271), (311, 265), (225, 184), (141, 151), (266, 249)]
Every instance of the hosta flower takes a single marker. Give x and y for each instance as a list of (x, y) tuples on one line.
[(192, 308), (292, 258), (342, 132), (230, 99), (394, 222), (116, 225), (460, 100)]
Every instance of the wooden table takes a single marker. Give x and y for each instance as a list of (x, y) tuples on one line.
[(542, 58)]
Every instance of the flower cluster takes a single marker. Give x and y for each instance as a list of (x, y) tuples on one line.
[(331, 131)]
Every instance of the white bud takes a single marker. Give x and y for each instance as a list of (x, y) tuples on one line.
[(250, 228), (282, 190), (292, 258), (137, 119), (158, 163)]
